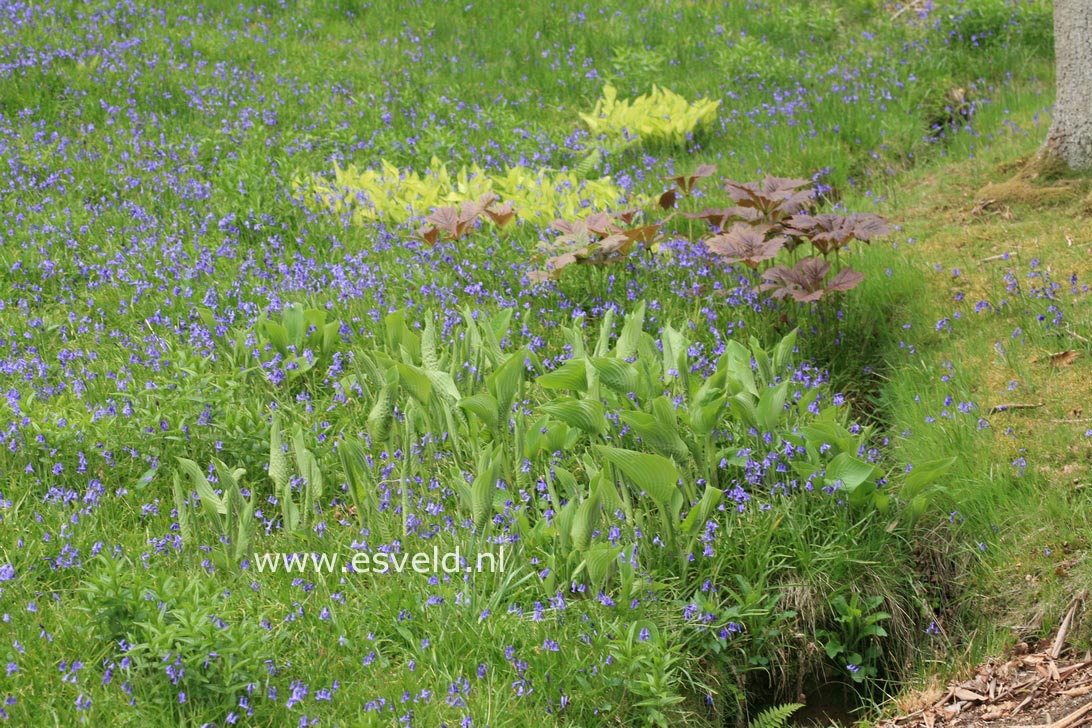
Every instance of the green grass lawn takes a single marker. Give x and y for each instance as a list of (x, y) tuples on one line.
[(245, 313)]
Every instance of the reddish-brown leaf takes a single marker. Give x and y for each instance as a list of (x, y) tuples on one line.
[(501, 215), (429, 233), (446, 219), (686, 182), (746, 244), (720, 217), (845, 279), (667, 200)]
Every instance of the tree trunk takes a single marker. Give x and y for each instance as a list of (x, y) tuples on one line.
[(1070, 136)]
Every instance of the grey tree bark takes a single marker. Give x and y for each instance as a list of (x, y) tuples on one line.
[(1070, 136)]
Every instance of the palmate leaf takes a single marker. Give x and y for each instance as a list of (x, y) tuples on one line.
[(720, 217), (685, 182), (828, 232), (745, 244), (775, 197), (806, 281)]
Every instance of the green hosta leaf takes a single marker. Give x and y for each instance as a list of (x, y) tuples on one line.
[(771, 405), (505, 380), (674, 352), (737, 362), (185, 525), (616, 375), (443, 386), (416, 381), (654, 474), (570, 375), (429, 357), (587, 516), (481, 491), (743, 407), (484, 405), (852, 471), (211, 502), (295, 324), (658, 434), (501, 323), (382, 412), (277, 335), (924, 474), (587, 414), (330, 334), (567, 481), (697, 517), (704, 418), (354, 463), (602, 345), (762, 360), (566, 514), (597, 563), (830, 433), (782, 353), (603, 485), (630, 338)]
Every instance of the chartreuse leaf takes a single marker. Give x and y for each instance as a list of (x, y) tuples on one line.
[(654, 474)]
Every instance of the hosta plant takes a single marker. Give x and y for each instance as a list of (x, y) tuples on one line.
[(660, 116), (398, 195)]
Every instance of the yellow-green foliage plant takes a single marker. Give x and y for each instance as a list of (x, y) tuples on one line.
[(662, 117), (398, 195)]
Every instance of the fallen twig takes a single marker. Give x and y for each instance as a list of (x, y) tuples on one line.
[(1059, 640), (1075, 718), (1000, 256), (1014, 406)]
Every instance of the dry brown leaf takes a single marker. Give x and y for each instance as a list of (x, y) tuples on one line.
[(1064, 358)]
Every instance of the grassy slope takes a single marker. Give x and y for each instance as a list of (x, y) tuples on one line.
[(1025, 477)]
